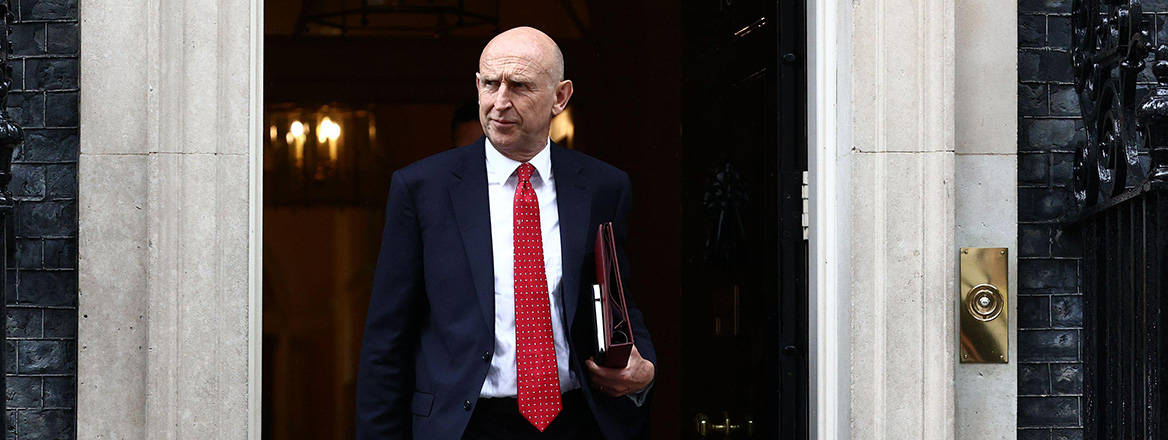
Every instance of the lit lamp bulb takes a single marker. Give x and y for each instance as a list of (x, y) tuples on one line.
[(295, 138), (328, 131), (321, 133)]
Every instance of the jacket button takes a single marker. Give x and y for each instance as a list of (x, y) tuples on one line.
[(466, 405), (486, 356)]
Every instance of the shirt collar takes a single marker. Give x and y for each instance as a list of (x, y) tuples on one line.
[(500, 167)]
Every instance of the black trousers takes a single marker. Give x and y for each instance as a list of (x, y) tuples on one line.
[(499, 419)]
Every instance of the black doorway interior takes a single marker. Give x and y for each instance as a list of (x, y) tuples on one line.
[(392, 97), (745, 258)]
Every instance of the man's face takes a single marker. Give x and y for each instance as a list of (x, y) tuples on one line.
[(516, 96)]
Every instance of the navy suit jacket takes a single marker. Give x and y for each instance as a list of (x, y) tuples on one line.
[(430, 334)]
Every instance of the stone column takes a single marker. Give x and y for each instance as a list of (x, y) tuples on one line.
[(899, 223), (986, 119), (169, 302)]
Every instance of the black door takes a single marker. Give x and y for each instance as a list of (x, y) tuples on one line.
[(744, 256)]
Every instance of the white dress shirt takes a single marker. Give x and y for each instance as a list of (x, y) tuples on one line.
[(501, 183)]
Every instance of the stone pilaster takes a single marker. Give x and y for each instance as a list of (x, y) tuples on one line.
[(900, 276), (167, 227)]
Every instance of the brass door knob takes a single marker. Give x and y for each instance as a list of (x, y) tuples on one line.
[(704, 426)]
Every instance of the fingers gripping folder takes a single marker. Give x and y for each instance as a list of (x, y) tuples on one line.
[(614, 334)]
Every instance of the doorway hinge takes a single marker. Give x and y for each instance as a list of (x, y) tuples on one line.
[(805, 216)]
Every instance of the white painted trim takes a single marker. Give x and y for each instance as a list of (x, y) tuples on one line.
[(828, 347), (255, 232)]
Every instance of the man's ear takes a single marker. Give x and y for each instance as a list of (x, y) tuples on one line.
[(563, 94)]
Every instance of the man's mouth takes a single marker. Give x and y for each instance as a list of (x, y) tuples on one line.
[(504, 123)]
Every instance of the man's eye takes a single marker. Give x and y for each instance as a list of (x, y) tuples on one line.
[(491, 83)]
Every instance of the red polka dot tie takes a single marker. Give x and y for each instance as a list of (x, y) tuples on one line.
[(535, 353)]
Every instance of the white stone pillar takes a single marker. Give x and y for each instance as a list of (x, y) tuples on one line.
[(898, 229), (986, 193), (170, 110)]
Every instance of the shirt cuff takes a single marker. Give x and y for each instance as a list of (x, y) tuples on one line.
[(639, 397)]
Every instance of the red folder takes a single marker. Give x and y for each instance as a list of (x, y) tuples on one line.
[(614, 334)]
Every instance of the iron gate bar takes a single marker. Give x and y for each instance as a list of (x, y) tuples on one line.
[(11, 135)]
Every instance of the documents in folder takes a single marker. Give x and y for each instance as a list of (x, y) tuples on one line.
[(614, 334)]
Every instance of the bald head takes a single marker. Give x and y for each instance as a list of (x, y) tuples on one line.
[(529, 43), (521, 88)]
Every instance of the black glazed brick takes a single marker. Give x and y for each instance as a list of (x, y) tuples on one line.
[(1044, 65), (1033, 379), (1055, 6), (46, 424), (17, 66), (1033, 168), (62, 38), (1062, 166), (27, 109), (1066, 311), (1032, 100), (28, 39), (48, 9), (1033, 312), (60, 253), (1067, 434), (61, 109), (28, 182), (1051, 134), (48, 288), (50, 73), (1033, 434), (61, 181), (1066, 379), (1032, 31), (28, 254), (1064, 101), (10, 283), (1048, 411), (24, 323), (60, 323), (60, 392), (1048, 345), (1029, 63), (1033, 240), (10, 357), (47, 357), (1041, 204), (1058, 33), (24, 392), (51, 145), (1066, 243), (1048, 275), (35, 219)]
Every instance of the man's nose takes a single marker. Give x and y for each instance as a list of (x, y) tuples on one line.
[(503, 98)]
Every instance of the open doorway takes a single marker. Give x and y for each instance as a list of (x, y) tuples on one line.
[(347, 105)]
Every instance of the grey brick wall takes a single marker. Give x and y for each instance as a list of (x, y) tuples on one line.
[(42, 276), (1050, 311), (1050, 303)]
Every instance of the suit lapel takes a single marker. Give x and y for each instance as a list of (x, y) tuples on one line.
[(472, 211), (574, 200)]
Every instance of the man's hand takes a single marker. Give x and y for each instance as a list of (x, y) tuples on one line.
[(617, 382)]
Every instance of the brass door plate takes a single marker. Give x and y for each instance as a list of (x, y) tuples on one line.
[(985, 307)]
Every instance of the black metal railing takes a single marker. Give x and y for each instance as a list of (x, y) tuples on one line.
[(1121, 211), (11, 136)]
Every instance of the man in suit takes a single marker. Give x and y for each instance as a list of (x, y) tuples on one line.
[(480, 324)]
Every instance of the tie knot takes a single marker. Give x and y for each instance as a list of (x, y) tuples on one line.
[(525, 171)]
